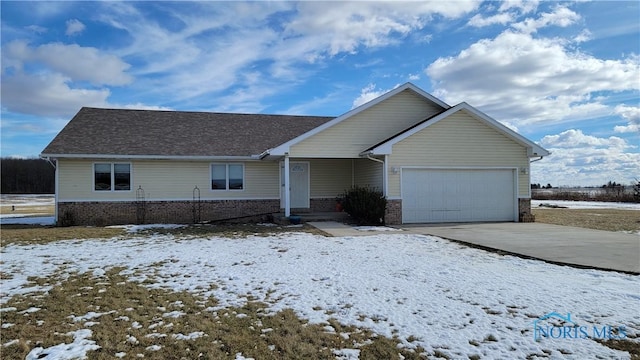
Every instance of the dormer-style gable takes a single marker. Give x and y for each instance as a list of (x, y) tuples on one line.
[(349, 134)]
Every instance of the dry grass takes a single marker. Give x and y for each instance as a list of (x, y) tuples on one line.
[(35, 234), (134, 318), (600, 219)]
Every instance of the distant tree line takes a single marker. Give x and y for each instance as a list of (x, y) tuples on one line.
[(26, 176), (611, 191), (537, 186)]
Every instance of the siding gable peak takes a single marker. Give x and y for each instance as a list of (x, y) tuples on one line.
[(385, 147), (285, 148)]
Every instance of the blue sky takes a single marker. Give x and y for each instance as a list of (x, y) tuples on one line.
[(564, 74)]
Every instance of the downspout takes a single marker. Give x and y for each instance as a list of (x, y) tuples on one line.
[(384, 172), (532, 161)]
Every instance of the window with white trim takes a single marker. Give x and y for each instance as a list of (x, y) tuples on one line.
[(227, 177), (111, 177)]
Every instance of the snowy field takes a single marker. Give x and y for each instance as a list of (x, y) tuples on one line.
[(586, 204), (456, 300), (39, 204)]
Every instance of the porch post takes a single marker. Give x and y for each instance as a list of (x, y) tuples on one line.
[(385, 176), (287, 187)]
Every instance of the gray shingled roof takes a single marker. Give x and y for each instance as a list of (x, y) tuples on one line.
[(121, 132)]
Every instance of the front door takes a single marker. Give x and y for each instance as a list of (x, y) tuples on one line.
[(299, 181)]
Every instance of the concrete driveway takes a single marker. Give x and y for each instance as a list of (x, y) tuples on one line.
[(559, 244)]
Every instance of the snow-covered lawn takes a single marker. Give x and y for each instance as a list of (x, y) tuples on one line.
[(587, 204), (442, 296)]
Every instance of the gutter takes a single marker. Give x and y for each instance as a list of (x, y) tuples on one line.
[(150, 157), (368, 156)]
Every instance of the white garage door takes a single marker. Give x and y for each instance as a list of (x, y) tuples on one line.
[(430, 195)]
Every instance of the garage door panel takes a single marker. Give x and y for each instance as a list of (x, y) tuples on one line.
[(457, 195)]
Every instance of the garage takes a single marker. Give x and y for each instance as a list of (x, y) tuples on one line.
[(458, 195)]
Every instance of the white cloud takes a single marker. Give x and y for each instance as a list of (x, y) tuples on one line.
[(47, 95), (36, 29), (479, 20), (140, 106), (576, 138), (523, 6), (74, 27), (585, 35), (578, 159), (632, 115), (369, 93), (561, 16), (73, 61), (528, 80), (345, 26), (220, 42)]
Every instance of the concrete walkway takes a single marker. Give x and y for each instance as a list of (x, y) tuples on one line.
[(337, 229), (553, 243)]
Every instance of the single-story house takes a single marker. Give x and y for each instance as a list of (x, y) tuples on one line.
[(433, 162)]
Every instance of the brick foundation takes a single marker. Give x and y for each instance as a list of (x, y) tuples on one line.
[(524, 211), (393, 214), (175, 212)]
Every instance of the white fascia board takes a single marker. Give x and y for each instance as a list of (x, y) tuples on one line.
[(284, 148), (533, 149), (148, 157)]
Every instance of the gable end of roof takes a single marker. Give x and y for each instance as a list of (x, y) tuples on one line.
[(385, 147)]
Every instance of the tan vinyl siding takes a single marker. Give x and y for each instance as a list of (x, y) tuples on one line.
[(367, 128), (368, 173), (329, 177), (459, 141), (166, 180)]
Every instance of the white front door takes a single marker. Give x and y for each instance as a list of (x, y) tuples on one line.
[(299, 181)]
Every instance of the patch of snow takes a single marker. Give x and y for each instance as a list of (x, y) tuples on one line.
[(136, 228), (347, 354), (267, 224), (120, 354), (153, 348), (436, 293), (12, 342), (191, 336), (586, 204), (76, 350), (132, 339), (241, 316), (7, 325), (240, 357), (7, 309), (174, 314), (155, 335), (99, 272), (30, 310), (376, 228), (136, 325), (88, 316)]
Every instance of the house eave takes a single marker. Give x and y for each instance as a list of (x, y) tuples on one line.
[(154, 157)]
